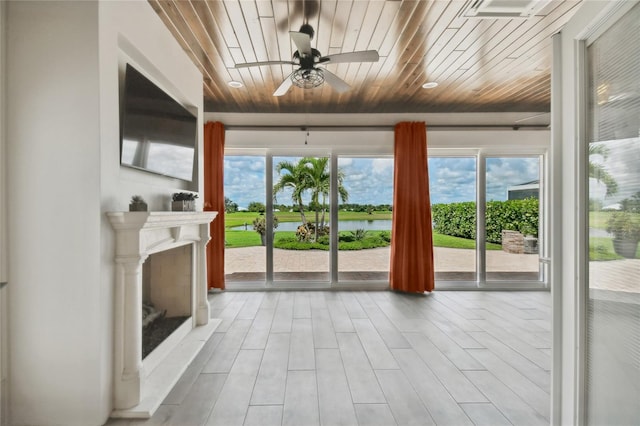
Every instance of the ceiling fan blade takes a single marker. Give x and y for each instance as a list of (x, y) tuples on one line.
[(259, 64), (284, 87), (302, 42), (338, 84), (361, 56)]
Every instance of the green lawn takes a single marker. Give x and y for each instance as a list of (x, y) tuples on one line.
[(440, 240), (234, 239), (599, 219)]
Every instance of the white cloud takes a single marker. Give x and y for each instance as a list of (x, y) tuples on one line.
[(382, 166), (370, 180)]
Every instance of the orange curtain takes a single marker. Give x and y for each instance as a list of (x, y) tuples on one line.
[(411, 237), (214, 200)]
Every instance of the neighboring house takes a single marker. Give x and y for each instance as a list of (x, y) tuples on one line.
[(524, 190)]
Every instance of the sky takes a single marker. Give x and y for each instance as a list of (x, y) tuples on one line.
[(370, 180)]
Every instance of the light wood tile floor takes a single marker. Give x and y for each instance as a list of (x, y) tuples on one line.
[(368, 358)]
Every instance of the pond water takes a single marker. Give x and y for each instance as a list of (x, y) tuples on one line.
[(343, 225)]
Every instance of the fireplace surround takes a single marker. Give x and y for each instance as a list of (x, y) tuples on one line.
[(141, 385)]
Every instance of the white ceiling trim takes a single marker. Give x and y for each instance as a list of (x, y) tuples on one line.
[(519, 119)]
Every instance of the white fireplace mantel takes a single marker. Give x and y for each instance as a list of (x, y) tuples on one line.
[(139, 387)]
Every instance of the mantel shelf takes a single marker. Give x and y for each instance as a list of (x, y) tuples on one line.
[(142, 220)]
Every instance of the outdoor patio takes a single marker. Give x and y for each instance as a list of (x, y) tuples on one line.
[(245, 263), (249, 263)]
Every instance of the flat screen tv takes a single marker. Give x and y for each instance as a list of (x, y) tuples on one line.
[(157, 133)]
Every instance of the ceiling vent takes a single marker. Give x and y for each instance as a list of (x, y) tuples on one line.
[(503, 8)]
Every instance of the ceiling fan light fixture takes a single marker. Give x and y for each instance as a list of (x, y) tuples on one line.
[(307, 78), (430, 85), (235, 84)]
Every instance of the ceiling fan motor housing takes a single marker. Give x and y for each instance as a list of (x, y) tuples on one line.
[(308, 30), (308, 62)]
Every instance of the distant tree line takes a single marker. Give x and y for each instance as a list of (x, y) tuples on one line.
[(258, 207)]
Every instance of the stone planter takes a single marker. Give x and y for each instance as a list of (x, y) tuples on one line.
[(512, 241), (625, 247), (530, 245), (183, 206)]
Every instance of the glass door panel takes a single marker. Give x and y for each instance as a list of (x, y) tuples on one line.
[(301, 189), (452, 186), (512, 218), (244, 189), (365, 196), (613, 164)]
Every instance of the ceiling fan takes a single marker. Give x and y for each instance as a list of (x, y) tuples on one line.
[(309, 75)]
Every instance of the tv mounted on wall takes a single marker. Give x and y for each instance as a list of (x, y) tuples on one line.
[(158, 134)]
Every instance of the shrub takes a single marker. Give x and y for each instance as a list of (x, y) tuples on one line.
[(459, 219), (624, 226), (367, 243), (359, 234), (303, 233), (516, 215), (292, 243), (455, 219), (346, 238), (260, 224), (386, 236), (307, 232)]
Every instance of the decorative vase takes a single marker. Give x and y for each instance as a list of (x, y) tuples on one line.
[(625, 247), (183, 206), (138, 207)]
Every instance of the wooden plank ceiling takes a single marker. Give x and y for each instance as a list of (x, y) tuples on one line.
[(480, 65)]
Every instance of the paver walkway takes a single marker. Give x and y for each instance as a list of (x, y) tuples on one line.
[(253, 259)]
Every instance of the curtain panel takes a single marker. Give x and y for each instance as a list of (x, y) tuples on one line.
[(214, 200), (412, 267)]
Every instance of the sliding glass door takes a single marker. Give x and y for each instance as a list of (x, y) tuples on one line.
[(512, 218), (365, 197), (613, 285), (245, 189), (453, 190), (301, 209)]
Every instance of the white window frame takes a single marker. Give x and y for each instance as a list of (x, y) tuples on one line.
[(569, 264)]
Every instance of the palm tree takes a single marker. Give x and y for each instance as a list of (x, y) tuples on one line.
[(310, 174), (319, 181), (295, 179), (324, 188), (598, 172)]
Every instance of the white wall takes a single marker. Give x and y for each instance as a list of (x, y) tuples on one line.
[(54, 221), (247, 132), (64, 60), (583, 24)]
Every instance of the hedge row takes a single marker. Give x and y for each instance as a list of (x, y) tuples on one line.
[(369, 241), (459, 219)]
